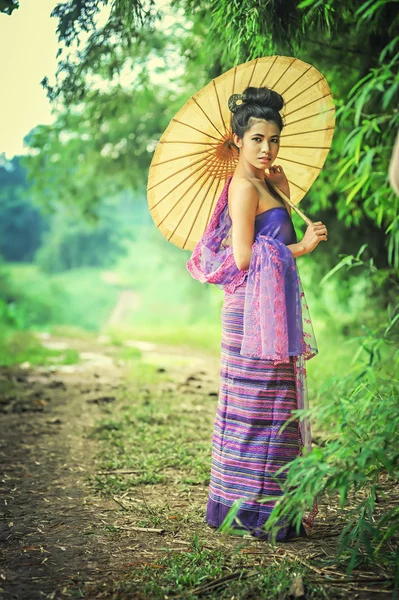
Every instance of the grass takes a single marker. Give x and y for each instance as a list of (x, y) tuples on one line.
[(201, 572), (155, 419), (197, 571), (160, 435), (72, 332), (154, 461), (18, 347), (202, 335)]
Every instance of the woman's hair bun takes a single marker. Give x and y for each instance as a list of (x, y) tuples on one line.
[(257, 103), (263, 96)]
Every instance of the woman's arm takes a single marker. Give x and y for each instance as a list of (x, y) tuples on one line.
[(394, 166), (298, 249), (244, 200)]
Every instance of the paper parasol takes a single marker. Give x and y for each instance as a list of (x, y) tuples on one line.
[(196, 153)]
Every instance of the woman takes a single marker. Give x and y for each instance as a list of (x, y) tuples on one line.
[(249, 249)]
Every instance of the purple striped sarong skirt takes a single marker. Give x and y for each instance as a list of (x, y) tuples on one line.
[(255, 400)]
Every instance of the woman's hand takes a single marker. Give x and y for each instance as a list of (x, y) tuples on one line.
[(315, 233), (277, 177)]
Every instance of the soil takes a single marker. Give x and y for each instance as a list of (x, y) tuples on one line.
[(56, 533)]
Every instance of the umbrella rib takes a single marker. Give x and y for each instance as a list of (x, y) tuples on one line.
[(252, 74), (305, 132), (282, 74), (234, 79), (310, 116), (308, 147), (305, 90), (179, 157), (181, 197), (186, 142), (220, 109), (299, 163), (199, 209), (172, 175), (297, 79), (185, 212), (308, 104), (296, 185), (195, 129), (211, 208), (267, 74), (211, 122)]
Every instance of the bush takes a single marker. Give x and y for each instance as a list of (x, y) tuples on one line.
[(360, 457)]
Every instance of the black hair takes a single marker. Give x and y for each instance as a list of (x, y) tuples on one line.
[(257, 102)]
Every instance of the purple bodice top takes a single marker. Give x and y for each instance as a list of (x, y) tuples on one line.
[(276, 223)]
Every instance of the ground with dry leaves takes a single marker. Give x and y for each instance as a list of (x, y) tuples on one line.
[(93, 507)]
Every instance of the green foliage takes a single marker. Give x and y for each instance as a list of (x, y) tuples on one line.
[(8, 6), (361, 453), (157, 271), (366, 90), (367, 148), (104, 138), (203, 571), (111, 117), (362, 450), (73, 243), (28, 299), (89, 298), (100, 148), (204, 335), (17, 347), (69, 242), (21, 223), (31, 299), (128, 21), (114, 112)]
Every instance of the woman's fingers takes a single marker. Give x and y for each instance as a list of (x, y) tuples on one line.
[(320, 230)]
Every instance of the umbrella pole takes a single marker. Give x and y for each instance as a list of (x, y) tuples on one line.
[(290, 203)]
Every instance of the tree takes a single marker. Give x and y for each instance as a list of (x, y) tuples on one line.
[(8, 6), (103, 143), (72, 243), (21, 223), (353, 44)]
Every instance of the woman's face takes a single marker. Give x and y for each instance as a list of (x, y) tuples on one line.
[(260, 145)]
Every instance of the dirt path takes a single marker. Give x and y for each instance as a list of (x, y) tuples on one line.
[(48, 510), (54, 537), (128, 303), (61, 540)]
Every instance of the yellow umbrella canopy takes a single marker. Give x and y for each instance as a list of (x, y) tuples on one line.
[(196, 153)]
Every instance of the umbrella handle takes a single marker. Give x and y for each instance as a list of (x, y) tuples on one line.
[(290, 203)]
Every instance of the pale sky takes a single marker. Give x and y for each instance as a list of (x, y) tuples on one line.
[(28, 46)]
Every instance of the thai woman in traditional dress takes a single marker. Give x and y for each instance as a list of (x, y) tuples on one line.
[(250, 249)]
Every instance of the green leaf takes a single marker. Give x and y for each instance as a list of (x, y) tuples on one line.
[(356, 189)]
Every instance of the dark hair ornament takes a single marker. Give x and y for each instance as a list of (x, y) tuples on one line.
[(235, 101)]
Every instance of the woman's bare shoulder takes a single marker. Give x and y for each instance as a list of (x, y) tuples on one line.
[(241, 184), (243, 192)]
